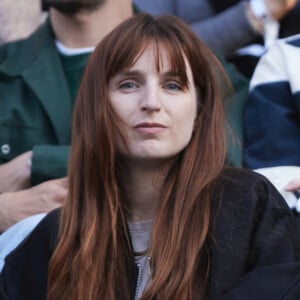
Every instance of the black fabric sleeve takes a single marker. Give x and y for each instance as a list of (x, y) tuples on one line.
[(256, 250), (24, 275)]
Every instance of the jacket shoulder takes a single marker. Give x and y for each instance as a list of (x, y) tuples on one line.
[(18, 55), (9, 49), (242, 183), (24, 275), (45, 233), (253, 229)]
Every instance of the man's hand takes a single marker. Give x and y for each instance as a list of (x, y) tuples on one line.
[(293, 185), (279, 8), (15, 206), (15, 174)]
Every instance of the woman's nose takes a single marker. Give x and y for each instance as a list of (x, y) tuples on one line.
[(151, 100)]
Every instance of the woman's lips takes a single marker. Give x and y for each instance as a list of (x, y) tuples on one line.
[(150, 128)]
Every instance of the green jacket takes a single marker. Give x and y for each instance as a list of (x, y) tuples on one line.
[(35, 105)]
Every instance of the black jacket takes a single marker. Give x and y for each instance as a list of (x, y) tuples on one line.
[(254, 255)]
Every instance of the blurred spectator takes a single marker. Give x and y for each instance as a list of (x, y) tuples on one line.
[(225, 25), (39, 78), (272, 115), (282, 20), (272, 120), (18, 19)]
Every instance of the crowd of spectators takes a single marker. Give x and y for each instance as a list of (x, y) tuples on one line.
[(44, 48)]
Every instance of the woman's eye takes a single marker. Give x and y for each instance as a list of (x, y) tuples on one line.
[(173, 86), (128, 85)]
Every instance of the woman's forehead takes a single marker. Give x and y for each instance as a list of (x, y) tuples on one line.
[(163, 55)]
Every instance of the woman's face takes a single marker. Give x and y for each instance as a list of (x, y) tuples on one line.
[(157, 112)]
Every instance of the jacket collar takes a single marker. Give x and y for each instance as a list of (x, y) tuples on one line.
[(37, 61)]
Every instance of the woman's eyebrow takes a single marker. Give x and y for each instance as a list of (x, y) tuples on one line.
[(139, 73), (172, 74), (131, 73)]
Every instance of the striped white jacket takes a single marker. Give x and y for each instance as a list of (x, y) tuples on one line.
[(272, 112)]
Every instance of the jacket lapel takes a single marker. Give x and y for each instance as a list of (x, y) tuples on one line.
[(37, 61), (53, 94)]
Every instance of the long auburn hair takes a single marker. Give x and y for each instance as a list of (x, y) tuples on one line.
[(93, 257)]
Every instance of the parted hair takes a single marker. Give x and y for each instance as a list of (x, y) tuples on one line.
[(93, 257)]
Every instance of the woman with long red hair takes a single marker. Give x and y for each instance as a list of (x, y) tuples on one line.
[(152, 210)]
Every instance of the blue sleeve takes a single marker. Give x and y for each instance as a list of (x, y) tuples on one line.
[(272, 127)]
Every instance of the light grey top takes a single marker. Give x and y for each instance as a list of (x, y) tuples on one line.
[(224, 33)]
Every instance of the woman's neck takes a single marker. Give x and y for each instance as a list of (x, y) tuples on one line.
[(142, 187)]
